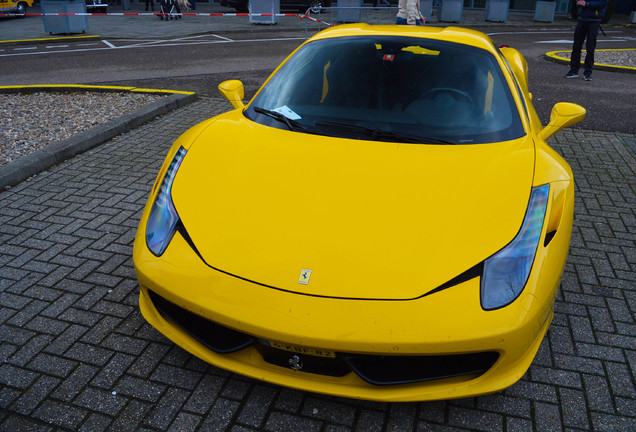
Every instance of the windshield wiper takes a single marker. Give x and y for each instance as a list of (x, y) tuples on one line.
[(291, 124), (380, 133)]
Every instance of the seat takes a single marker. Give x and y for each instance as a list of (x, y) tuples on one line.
[(355, 78)]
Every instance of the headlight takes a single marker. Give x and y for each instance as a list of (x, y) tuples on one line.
[(506, 272), (163, 216)]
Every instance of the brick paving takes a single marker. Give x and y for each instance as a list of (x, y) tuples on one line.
[(77, 355)]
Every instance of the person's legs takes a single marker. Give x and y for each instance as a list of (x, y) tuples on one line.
[(579, 36), (590, 46)]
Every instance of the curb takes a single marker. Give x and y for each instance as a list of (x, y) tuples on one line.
[(554, 56), (51, 39), (42, 159)]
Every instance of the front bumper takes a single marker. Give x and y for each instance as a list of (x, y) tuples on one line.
[(448, 323)]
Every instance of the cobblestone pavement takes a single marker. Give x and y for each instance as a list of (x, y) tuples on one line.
[(77, 355)]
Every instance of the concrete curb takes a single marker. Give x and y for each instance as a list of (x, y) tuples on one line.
[(40, 160), (554, 56), (52, 39)]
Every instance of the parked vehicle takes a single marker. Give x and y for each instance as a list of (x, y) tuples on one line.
[(15, 7), (96, 5), (384, 220)]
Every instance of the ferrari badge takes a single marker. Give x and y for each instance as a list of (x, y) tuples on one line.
[(305, 274)]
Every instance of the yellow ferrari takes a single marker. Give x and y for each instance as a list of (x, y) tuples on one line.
[(384, 220)]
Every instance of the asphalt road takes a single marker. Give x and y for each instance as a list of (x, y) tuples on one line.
[(200, 63), (609, 97)]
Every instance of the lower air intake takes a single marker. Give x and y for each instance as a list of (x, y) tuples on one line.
[(387, 370), (375, 369), (214, 336)]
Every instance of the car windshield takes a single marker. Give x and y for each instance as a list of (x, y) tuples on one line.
[(391, 88)]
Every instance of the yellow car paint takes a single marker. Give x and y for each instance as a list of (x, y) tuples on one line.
[(334, 188)]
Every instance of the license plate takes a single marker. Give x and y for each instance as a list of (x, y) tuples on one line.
[(298, 349)]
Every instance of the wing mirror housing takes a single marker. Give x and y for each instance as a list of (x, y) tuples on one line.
[(233, 91), (564, 114)]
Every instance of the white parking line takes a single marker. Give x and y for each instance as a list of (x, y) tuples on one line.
[(187, 40), (569, 41), (555, 41), (156, 43), (221, 37), (541, 31), (568, 31)]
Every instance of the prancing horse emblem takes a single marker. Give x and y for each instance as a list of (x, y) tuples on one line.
[(295, 363), (305, 274)]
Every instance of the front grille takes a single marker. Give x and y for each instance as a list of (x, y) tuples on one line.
[(375, 369)]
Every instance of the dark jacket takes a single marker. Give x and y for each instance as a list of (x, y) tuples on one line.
[(593, 10)]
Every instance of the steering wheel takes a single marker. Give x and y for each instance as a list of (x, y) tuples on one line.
[(458, 95)]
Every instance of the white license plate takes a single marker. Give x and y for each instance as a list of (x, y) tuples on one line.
[(299, 349)]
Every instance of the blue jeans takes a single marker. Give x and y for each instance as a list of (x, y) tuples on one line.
[(402, 21), (584, 31)]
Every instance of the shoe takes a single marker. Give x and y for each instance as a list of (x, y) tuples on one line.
[(587, 76), (571, 74)]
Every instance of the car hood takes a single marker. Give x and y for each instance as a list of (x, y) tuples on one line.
[(371, 220)]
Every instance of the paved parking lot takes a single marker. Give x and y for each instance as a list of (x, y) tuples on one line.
[(77, 355)]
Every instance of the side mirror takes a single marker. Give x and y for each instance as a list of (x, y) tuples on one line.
[(564, 114), (233, 91)]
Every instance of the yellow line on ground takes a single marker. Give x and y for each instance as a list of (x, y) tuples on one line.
[(555, 55), (95, 87), (50, 39)]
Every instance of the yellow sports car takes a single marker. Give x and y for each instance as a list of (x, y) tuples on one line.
[(383, 220)]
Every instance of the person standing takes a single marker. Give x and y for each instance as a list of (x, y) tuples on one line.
[(152, 4), (409, 13), (590, 14)]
